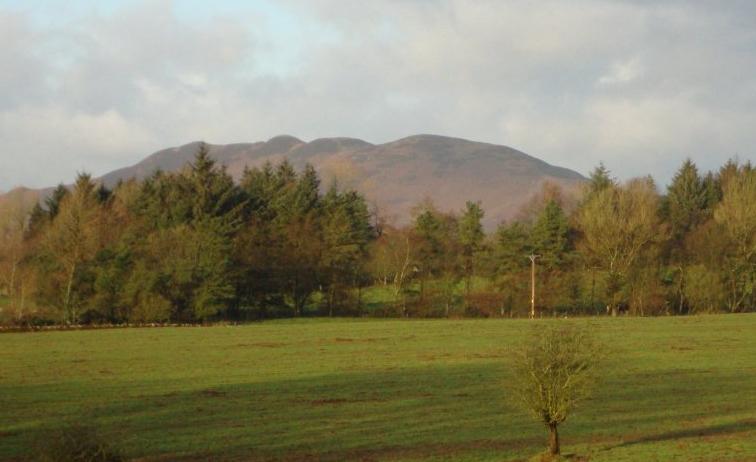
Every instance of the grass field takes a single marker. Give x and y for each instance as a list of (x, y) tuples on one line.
[(679, 388)]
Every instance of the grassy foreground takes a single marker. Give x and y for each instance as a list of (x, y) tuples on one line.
[(677, 389)]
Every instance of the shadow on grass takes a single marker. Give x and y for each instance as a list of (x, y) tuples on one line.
[(436, 411), (695, 432)]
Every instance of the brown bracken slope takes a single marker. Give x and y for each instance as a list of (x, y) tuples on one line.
[(396, 175)]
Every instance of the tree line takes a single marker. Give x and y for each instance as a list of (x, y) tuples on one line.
[(194, 246)]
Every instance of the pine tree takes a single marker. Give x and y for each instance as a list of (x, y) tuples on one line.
[(510, 268), (346, 235), (438, 251), (550, 237), (429, 229), (599, 179), (213, 193), (307, 191), (550, 240), (38, 219), (471, 238), (53, 202), (686, 202), (685, 208)]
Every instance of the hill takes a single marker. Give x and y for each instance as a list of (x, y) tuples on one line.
[(395, 175)]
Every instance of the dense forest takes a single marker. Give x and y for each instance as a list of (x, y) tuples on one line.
[(194, 246)]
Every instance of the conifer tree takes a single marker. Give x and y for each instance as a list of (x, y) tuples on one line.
[(512, 245), (685, 207), (53, 202), (346, 234), (438, 251), (471, 238), (599, 180), (686, 202), (550, 237)]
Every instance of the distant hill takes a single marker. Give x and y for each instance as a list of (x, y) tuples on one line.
[(395, 175)]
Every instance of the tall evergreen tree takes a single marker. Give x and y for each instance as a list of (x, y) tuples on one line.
[(550, 237), (346, 235), (38, 219), (438, 252), (550, 240), (471, 238), (685, 207), (214, 195), (52, 203), (599, 180), (686, 202), (186, 265), (512, 245)]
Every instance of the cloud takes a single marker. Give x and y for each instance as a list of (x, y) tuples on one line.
[(640, 85), (623, 72), (62, 141)]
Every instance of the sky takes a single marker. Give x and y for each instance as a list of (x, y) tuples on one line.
[(638, 85)]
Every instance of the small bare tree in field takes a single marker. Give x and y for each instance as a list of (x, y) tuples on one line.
[(555, 369)]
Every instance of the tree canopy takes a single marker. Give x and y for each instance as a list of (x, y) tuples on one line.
[(197, 246)]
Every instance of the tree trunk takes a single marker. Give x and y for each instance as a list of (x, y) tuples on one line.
[(359, 299), (593, 288), (12, 285), (23, 303), (553, 440), (681, 291), (294, 297), (69, 313), (468, 276), (733, 292), (330, 302)]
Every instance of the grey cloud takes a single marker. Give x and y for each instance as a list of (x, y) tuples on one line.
[(639, 85)]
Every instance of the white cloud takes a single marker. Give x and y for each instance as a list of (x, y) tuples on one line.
[(63, 143), (623, 72), (639, 85)]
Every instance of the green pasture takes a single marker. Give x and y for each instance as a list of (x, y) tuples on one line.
[(675, 388)]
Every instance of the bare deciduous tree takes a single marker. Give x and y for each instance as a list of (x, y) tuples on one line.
[(555, 369), (737, 215), (73, 239), (14, 210), (619, 225)]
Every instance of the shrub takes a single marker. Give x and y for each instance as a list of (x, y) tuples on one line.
[(554, 370)]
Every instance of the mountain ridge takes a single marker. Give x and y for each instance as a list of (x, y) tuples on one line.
[(395, 175)]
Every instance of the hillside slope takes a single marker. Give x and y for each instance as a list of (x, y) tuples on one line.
[(395, 175)]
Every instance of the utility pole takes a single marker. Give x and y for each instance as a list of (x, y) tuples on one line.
[(532, 284), (593, 285)]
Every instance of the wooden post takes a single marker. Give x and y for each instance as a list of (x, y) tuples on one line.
[(593, 286), (532, 284)]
